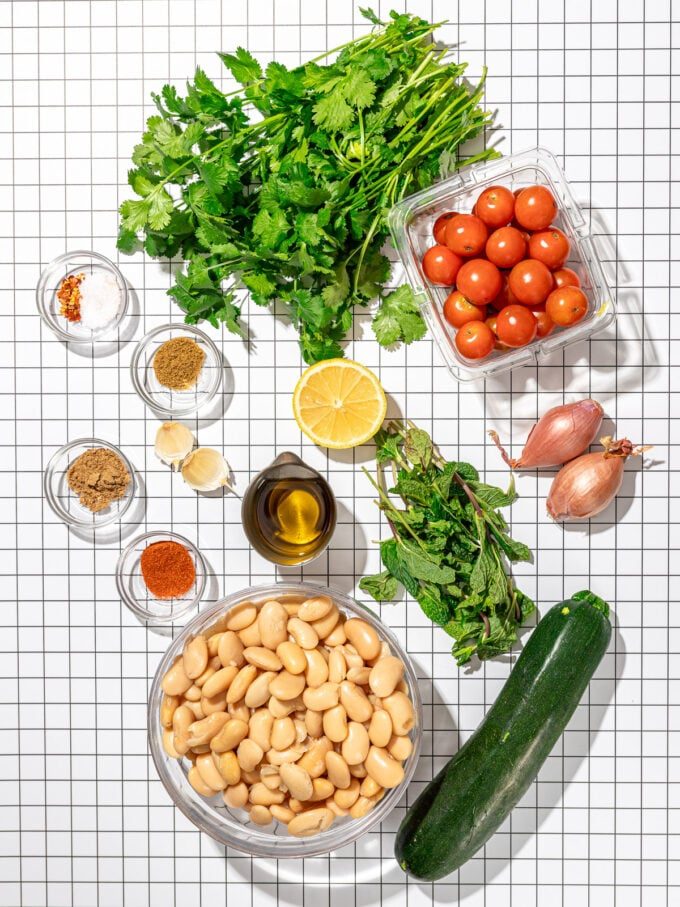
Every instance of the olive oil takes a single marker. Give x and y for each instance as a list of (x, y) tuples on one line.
[(289, 512)]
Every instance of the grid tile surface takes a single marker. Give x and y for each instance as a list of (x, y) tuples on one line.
[(83, 819)]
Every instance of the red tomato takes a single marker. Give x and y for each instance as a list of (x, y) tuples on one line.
[(458, 310), (441, 265), (545, 325), (479, 280), (492, 322), (535, 208), (495, 206), (516, 325), (505, 297), (465, 235), (505, 247), (550, 246), (565, 277), (439, 227), (475, 340), (566, 305), (530, 282)]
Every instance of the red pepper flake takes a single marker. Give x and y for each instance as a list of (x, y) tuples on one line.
[(168, 569), (68, 295)]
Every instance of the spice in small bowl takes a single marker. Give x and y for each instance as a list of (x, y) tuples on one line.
[(99, 477), (178, 363), (167, 569)]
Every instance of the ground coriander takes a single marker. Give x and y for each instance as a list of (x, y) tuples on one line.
[(98, 477), (178, 363)]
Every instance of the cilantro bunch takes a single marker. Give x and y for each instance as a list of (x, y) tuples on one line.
[(283, 187), (449, 545)]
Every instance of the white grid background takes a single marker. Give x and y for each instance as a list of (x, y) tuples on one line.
[(83, 819)]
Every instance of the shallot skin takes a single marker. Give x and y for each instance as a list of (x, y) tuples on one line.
[(561, 434), (585, 487)]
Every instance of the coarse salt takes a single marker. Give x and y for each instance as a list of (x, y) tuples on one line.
[(100, 299)]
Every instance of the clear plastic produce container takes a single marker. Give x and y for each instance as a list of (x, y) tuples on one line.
[(411, 223)]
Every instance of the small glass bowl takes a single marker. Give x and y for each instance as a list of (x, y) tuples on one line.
[(232, 827), (48, 305), (66, 504), (162, 399), (133, 589)]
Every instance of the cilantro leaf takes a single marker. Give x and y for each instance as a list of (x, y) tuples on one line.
[(242, 65), (398, 318)]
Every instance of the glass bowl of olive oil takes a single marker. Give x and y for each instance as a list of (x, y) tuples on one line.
[(289, 512)]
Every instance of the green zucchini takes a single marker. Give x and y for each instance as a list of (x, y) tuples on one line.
[(463, 806)]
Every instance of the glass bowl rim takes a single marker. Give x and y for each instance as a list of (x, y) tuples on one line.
[(134, 605), (266, 844), (54, 503), (147, 398), (47, 317)]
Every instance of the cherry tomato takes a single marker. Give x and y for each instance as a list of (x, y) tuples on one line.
[(458, 310), (565, 277), (441, 265), (439, 227), (566, 305), (495, 206), (505, 297), (516, 325), (479, 280), (505, 247), (475, 340), (530, 282), (465, 235), (492, 322), (545, 325), (535, 208), (550, 246)]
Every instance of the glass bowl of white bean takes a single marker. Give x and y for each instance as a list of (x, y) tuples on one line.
[(285, 720)]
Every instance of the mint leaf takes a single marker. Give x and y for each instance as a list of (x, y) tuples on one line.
[(381, 586)]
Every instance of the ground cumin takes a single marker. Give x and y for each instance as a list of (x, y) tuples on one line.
[(178, 363), (98, 477), (168, 569)]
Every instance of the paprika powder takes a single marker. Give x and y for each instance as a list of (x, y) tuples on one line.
[(167, 569)]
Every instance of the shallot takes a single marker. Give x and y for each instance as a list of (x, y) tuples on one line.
[(561, 434), (588, 484)]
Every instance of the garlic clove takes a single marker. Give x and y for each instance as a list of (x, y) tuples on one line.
[(174, 442), (206, 469)]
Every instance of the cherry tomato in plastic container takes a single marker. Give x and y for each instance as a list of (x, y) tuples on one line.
[(535, 208), (475, 340), (544, 323), (506, 247), (441, 265), (479, 280), (439, 227), (458, 310), (495, 206), (550, 246), (516, 325), (566, 277), (566, 305), (530, 282), (466, 235)]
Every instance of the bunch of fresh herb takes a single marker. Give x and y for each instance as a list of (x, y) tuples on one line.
[(449, 545), (283, 187)]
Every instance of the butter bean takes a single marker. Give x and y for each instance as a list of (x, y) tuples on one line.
[(358, 771), (239, 710), (385, 770), (229, 737), (401, 712), (369, 787), (355, 702), (270, 776), (292, 608), (262, 658), (168, 706), (196, 781), (310, 822), (198, 750), (314, 723), (193, 694), (260, 728), (380, 728), (321, 698), (359, 675), (220, 681), (261, 815), (356, 745), (208, 673), (195, 657), (314, 760), (281, 812), (272, 622), (337, 667), (240, 683), (169, 745), (337, 636), (230, 650), (236, 796), (205, 729), (363, 637), (351, 656), (209, 772), (281, 709), (337, 770), (323, 789), (261, 795), (176, 682), (214, 643), (249, 754), (217, 703), (295, 806), (283, 757), (292, 657), (258, 693), (241, 616), (283, 733), (196, 709), (315, 608), (303, 633), (347, 797), (325, 626), (297, 780), (228, 767), (385, 675), (400, 748), (335, 723), (300, 730), (250, 636), (286, 686), (251, 777), (363, 806), (335, 809), (317, 668)]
